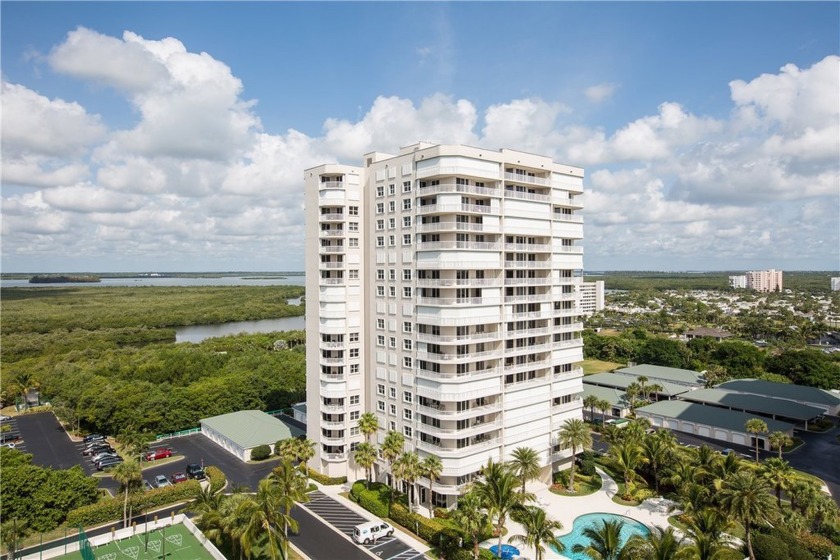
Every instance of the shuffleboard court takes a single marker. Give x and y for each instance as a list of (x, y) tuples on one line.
[(174, 541)]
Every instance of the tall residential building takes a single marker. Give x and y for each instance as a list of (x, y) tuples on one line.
[(758, 280), (591, 297), (442, 288), (835, 283)]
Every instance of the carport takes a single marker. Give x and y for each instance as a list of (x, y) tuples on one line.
[(777, 409), (240, 432), (708, 421)]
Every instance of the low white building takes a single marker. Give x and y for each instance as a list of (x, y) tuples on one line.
[(240, 432)]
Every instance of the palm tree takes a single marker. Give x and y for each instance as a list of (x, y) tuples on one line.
[(471, 518), (725, 467), (779, 473), (255, 517), (643, 386), (604, 541), (407, 468), (12, 532), (127, 474), (633, 391), (590, 402), (659, 544), (574, 433), (135, 442), (705, 529), (391, 448), (603, 405), (289, 486), (286, 449), (209, 511), (368, 424), (658, 448), (365, 456), (627, 456), (802, 494), (525, 464), (498, 493), (779, 440), (432, 468), (747, 498), (756, 426), (539, 531), (305, 450)]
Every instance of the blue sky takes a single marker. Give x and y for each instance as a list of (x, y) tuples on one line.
[(708, 130)]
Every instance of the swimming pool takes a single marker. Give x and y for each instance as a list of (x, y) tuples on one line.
[(631, 527)]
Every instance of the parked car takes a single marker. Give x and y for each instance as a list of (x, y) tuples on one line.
[(148, 485), (157, 453), (104, 454), (3, 417), (10, 445), (9, 436), (178, 477), (194, 470), (108, 463), (93, 437), (371, 531), (161, 481), (97, 449)]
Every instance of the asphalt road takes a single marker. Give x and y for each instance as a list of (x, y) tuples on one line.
[(320, 542)]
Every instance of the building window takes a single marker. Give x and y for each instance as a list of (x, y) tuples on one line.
[(380, 208), (353, 210), (406, 221), (380, 225), (406, 204), (353, 226), (380, 323), (354, 430), (392, 341), (393, 392), (354, 445), (380, 340), (392, 223), (407, 344), (407, 186), (393, 409), (353, 337), (354, 414), (392, 425), (380, 291), (354, 242), (407, 362), (380, 191), (380, 274), (407, 291), (407, 274), (380, 241), (354, 352), (353, 274), (380, 406), (406, 239), (407, 396), (407, 431), (392, 291), (392, 241), (407, 414), (392, 206), (392, 189), (392, 274), (354, 368), (406, 326), (380, 389), (354, 399)]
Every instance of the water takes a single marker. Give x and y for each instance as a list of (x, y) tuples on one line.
[(197, 333), (265, 280), (594, 520)]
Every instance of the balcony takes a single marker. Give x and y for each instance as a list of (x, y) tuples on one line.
[(451, 283), (451, 393), (569, 249), (331, 217), (532, 197), (527, 179), (571, 327), (562, 344), (331, 424), (457, 452), (570, 201), (331, 361), (331, 185), (443, 377), (566, 407), (531, 348), (456, 188), (332, 344), (442, 245), (528, 298), (332, 440), (331, 265), (333, 407), (457, 170), (527, 264), (331, 233), (330, 314), (542, 281), (460, 414), (331, 249), (453, 209), (459, 301), (457, 264), (449, 225), (453, 433), (527, 315), (334, 457), (527, 332), (462, 321), (456, 357), (574, 372), (532, 247), (331, 281), (527, 366), (570, 218), (332, 377), (453, 339)]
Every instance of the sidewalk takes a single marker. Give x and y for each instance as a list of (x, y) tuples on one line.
[(334, 493)]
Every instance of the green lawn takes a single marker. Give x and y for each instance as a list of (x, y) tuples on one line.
[(175, 541), (591, 366)]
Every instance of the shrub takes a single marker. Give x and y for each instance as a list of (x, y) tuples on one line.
[(817, 545), (260, 453), (217, 478), (324, 479), (441, 513), (768, 547), (375, 500), (111, 509), (587, 463), (561, 478)]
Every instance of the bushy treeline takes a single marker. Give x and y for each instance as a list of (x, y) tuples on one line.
[(729, 359), (106, 357), (811, 281)]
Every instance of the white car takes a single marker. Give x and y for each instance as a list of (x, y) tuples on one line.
[(10, 445), (161, 481), (3, 417), (369, 532)]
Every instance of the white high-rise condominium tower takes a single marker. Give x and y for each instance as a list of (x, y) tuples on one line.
[(442, 295)]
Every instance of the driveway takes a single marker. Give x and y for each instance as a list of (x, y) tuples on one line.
[(47, 441)]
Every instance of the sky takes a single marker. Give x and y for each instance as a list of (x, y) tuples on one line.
[(170, 136)]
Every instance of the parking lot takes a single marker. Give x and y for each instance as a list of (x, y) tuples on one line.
[(344, 519)]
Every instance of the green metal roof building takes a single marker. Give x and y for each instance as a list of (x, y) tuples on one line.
[(827, 401), (668, 374), (619, 405), (709, 421), (777, 409), (619, 381), (239, 432)]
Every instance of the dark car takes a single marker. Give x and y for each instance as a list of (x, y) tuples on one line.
[(194, 470), (93, 437), (178, 477)]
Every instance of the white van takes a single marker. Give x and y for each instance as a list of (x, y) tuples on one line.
[(371, 531)]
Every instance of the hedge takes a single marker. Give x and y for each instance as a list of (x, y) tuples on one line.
[(111, 509), (217, 478), (375, 500), (324, 479), (260, 453), (768, 547)]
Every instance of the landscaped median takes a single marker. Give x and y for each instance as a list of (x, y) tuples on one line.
[(111, 509)]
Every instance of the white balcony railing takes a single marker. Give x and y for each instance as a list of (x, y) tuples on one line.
[(461, 451), (331, 217), (331, 233), (527, 179), (442, 245), (453, 208), (331, 185), (459, 301), (532, 197), (331, 249), (457, 170), (456, 188)]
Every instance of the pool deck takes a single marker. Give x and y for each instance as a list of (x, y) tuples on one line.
[(651, 512)]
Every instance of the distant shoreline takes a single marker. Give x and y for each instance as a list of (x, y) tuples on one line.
[(80, 276), (62, 279)]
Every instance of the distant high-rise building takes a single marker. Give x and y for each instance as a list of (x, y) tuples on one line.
[(443, 295), (760, 280), (835, 284), (591, 297)]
